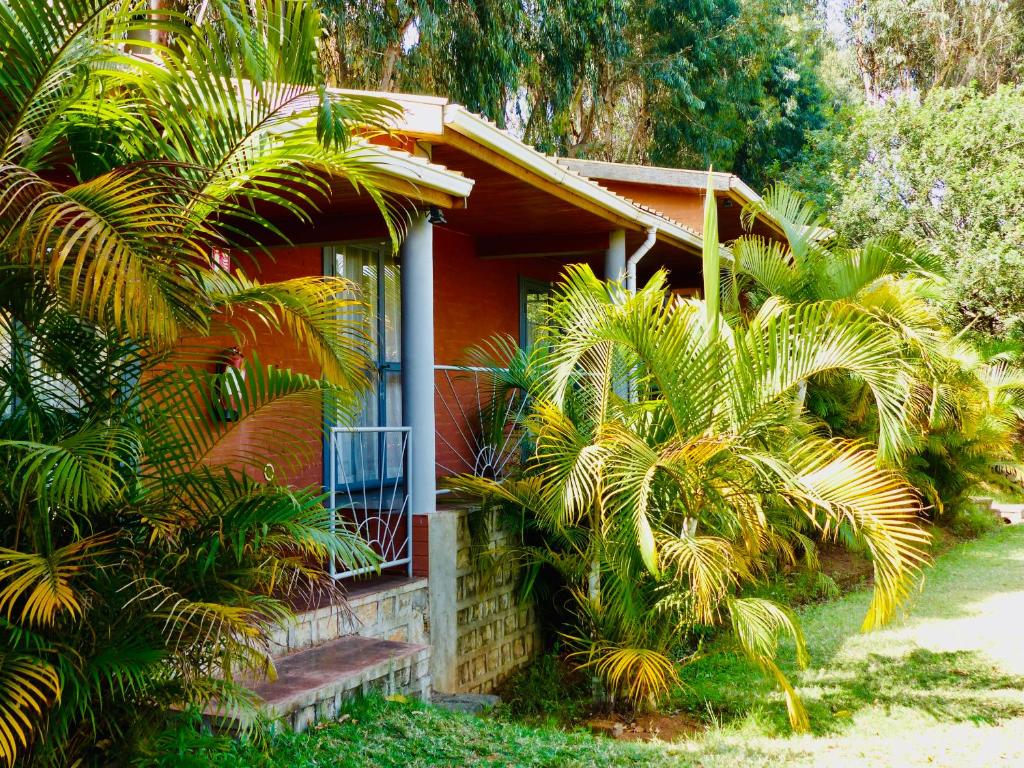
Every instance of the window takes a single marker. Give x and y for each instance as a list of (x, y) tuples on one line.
[(534, 296), (375, 271)]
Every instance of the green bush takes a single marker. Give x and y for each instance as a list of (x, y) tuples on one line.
[(658, 500), (970, 521), (546, 691), (146, 552)]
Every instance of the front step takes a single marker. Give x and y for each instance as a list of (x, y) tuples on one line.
[(312, 684)]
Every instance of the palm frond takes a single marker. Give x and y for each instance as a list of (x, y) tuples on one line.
[(49, 50), (843, 480), (642, 674), (708, 565), (277, 409), (104, 246), (43, 584), (785, 346), (319, 313), (27, 688), (81, 472), (794, 214), (757, 625)]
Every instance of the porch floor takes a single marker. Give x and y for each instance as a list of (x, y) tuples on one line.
[(351, 589), (311, 684)]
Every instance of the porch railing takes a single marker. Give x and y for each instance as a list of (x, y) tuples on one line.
[(369, 478), (478, 424)]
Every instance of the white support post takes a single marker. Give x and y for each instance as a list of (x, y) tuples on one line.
[(418, 360), (417, 271), (615, 256)]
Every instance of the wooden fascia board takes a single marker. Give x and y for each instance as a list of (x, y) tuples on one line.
[(408, 189), (511, 167)]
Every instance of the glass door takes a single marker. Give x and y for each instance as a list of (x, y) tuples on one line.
[(368, 457)]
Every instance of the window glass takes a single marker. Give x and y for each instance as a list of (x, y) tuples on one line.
[(534, 297)]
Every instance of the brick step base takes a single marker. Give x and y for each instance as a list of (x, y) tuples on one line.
[(312, 684)]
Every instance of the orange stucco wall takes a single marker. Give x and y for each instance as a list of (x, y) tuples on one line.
[(474, 299), (277, 349), (685, 206)]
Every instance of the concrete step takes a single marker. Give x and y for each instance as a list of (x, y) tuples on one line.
[(1012, 514), (387, 608), (312, 684)]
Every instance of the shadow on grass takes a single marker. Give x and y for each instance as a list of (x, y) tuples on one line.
[(961, 686)]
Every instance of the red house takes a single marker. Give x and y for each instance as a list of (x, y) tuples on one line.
[(493, 224)]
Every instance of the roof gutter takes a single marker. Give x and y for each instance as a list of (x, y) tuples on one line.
[(639, 253)]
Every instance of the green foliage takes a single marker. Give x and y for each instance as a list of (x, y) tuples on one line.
[(969, 521), (415, 735), (965, 412), (765, 94), (146, 554), (545, 692), (657, 508), (928, 44), (733, 83), (942, 687), (946, 173)]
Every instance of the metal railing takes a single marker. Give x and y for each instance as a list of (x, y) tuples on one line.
[(370, 475), (478, 425)]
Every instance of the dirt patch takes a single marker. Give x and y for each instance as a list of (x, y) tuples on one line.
[(848, 569), (664, 727)]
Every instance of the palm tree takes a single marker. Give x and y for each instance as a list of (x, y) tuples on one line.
[(970, 439), (658, 507), (963, 413), (890, 277), (145, 551)]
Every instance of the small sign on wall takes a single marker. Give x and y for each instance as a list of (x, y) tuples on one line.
[(220, 258)]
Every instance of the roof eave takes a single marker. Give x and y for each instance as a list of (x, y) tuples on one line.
[(481, 131)]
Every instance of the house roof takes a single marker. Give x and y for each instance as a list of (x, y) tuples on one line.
[(435, 120), (402, 172), (684, 178), (482, 131)]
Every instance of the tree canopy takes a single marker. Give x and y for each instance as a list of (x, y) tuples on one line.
[(925, 44), (947, 172), (732, 83)]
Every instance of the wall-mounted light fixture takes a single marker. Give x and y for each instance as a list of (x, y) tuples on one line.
[(436, 216)]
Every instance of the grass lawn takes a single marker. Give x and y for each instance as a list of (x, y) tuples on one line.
[(944, 687)]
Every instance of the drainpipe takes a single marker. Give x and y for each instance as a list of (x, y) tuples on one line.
[(645, 246)]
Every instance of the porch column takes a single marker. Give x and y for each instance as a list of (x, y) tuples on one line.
[(418, 360), (417, 272), (615, 256)]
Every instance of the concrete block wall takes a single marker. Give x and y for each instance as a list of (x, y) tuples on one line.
[(400, 613), (496, 635)]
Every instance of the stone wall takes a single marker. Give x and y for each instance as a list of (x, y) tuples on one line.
[(496, 634), (400, 612)]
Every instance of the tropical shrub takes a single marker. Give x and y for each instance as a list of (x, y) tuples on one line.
[(970, 442), (146, 549), (965, 409), (674, 462)]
